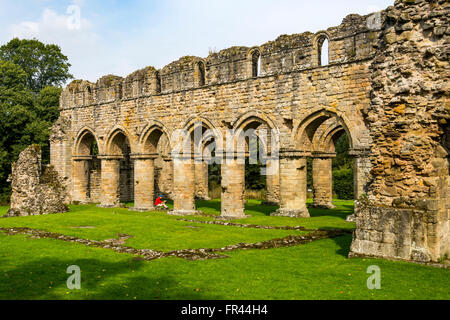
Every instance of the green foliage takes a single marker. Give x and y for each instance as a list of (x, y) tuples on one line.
[(343, 159), (47, 104), (343, 183), (44, 65), (254, 180), (214, 175), (29, 104)]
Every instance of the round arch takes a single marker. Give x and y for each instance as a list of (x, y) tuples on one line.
[(254, 120), (84, 142), (209, 132), (304, 132), (329, 139), (151, 136), (117, 139)]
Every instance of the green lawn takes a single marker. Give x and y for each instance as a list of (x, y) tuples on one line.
[(36, 268)]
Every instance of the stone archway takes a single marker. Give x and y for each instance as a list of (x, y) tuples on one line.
[(117, 170), (154, 147), (252, 132), (86, 168), (190, 176)]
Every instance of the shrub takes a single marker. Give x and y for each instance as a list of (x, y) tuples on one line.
[(343, 183)]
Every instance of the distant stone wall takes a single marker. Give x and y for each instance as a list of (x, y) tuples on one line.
[(35, 190)]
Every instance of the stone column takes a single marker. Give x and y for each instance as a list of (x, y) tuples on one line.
[(323, 180), (233, 188), (201, 179), (144, 182), (361, 173), (110, 184), (168, 177), (273, 182), (183, 186), (80, 178), (293, 186), (362, 166)]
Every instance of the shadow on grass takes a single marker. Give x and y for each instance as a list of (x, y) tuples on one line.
[(210, 207), (46, 279), (339, 213), (344, 244), (258, 207)]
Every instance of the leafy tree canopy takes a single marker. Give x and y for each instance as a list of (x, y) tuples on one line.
[(44, 65), (30, 72)]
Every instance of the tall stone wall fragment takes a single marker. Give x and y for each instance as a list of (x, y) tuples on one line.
[(35, 190)]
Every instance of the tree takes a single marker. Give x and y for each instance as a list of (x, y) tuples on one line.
[(30, 75), (47, 104), (16, 112), (343, 170), (44, 65)]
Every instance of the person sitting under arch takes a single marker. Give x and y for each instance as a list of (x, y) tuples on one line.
[(159, 203)]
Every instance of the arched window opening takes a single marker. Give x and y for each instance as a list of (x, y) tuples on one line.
[(256, 64), (158, 82), (323, 51), (201, 74)]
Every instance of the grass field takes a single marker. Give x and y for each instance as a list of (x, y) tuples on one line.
[(36, 268)]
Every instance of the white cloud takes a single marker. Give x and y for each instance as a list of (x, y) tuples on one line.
[(77, 43), (51, 24)]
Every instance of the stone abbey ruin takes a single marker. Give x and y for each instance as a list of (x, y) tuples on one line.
[(385, 85)]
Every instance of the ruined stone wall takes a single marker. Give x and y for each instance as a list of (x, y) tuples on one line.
[(385, 85), (407, 217), (35, 190), (284, 95)]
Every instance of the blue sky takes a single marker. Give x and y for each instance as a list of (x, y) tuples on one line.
[(119, 37)]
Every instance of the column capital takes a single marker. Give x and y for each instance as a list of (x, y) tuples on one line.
[(82, 158), (291, 153), (323, 155), (144, 156), (110, 157)]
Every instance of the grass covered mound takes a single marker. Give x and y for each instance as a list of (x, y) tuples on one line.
[(36, 268)]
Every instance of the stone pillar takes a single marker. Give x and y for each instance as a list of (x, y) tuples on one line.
[(168, 177), (233, 188), (361, 173), (293, 186), (80, 179), (144, 182), (110, 188), (273, 182), (201, 179), (183, 186), (362, 168), (323, 181)]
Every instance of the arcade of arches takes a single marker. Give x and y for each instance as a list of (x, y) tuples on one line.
[(384, 84)]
